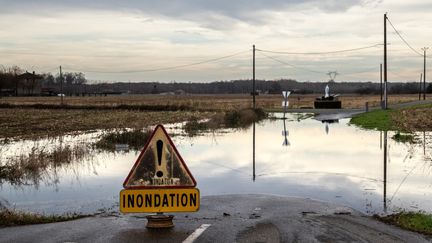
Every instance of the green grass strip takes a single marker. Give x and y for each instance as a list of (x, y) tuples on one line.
[(378, 119), (414, 221)]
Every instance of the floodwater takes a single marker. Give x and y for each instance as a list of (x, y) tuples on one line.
[(331, 161)]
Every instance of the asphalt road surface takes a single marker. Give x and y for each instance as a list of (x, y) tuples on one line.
[(227, 218)]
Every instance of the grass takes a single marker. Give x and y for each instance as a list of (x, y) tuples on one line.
[(243, 118), (232, 119), (410, 119), (414, 221), (136, 139), (378, 119), (404, 138), (193, 127), (417, 118), (14, 218), (32, 167)]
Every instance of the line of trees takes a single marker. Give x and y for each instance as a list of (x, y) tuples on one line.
[(14, 82), (75, 83)]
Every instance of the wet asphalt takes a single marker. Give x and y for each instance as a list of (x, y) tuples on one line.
[(227, 218)]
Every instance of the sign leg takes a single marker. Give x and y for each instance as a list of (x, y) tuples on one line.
[(159, 221)]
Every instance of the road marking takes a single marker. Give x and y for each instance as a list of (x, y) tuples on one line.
[(196, 233)]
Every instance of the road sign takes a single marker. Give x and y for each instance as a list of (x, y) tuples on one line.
[(286, 94), (159, 165), (159, 200), (285, 103)]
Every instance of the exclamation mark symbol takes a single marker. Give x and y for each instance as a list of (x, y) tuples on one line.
[(159, 147)]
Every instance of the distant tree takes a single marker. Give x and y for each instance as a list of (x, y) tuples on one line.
[(72, 81), (429, 88), (48, 79), (275, 88), (155, 90), (79, 78), (405, 88), (8, 78)]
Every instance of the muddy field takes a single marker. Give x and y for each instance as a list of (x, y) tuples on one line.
[(34, 123), (206, 102), (89, 115)]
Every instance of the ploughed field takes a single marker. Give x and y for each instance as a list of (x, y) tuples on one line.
[(204, 102)]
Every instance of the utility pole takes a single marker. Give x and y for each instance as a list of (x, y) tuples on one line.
[(253, 95), (424, 71), (420, 86), (385, 61), (16, 82), (253, 77), (381, 86), (385, 173), (61, 86)]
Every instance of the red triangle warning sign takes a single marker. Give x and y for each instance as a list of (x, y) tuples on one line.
[(159, 165)]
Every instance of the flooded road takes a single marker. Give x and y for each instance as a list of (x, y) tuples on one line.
[(298, 157)]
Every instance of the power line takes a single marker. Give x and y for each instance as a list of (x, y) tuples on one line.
[(357, 72), (398, 75), (403, 39), (164, 68), (320, 53), (293, 66), (314, 71)]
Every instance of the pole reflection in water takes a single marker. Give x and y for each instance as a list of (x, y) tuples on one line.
[(285, 133), (380, 139), (328, 122), (253, 152), (385, 174)]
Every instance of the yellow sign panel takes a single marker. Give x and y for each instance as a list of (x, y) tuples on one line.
[(159, 165), (159, 200)]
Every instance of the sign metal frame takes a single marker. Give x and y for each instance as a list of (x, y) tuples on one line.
[(140, 157)]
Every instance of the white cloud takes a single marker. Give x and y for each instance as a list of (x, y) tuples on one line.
[(136, 35)]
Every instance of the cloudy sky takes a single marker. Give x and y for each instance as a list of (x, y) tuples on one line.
[(145, 40)]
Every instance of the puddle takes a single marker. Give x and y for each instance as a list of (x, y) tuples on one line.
[(329, 161)]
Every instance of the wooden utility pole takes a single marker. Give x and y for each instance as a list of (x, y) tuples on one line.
[(385, 61), (420, 86), (424, 71), (16, 82), (253, 77), (381, 85), (61, 86)]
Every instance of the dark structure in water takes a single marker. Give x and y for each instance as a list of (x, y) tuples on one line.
[(328, 101)]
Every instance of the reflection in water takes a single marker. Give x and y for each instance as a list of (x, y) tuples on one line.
[(345, 168), (385, 174), (42, 163), (253, 151), (285, 133), (411, 153), (327, 122)]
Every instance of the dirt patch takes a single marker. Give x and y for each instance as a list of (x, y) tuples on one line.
[(415, 119), (36, 123)]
